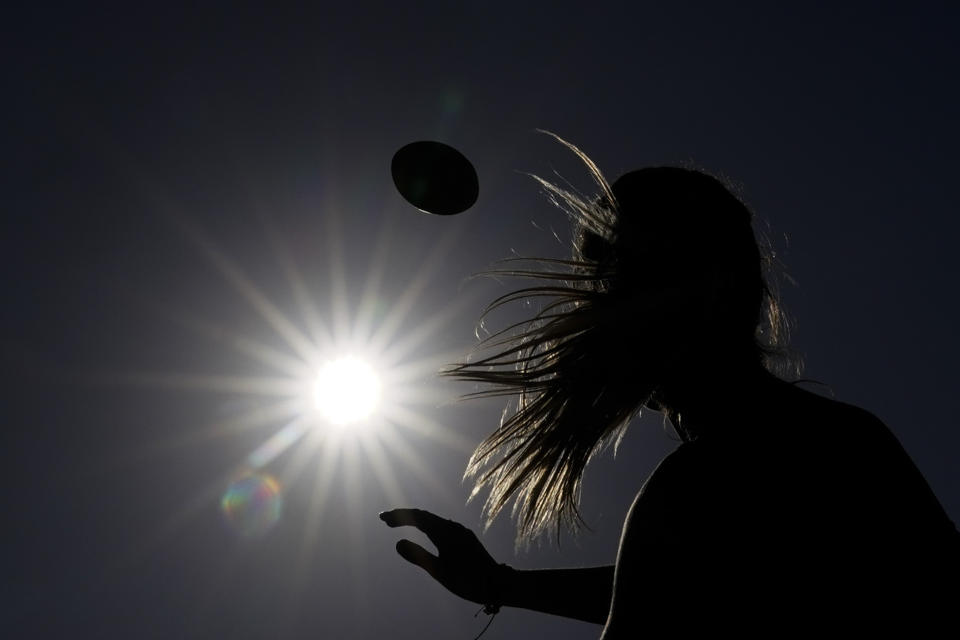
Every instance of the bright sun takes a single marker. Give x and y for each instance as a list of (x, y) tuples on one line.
[(337, 375), (347, 390)]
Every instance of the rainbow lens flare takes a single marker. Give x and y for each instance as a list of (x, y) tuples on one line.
[(252, 504)]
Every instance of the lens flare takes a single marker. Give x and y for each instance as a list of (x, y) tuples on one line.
[(251, 505)]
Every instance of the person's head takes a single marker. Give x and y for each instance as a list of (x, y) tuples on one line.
[(666, 277), (681, 271)]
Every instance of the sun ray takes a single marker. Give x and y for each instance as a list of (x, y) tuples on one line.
[(354, 489), (318, 329), (339, 300), (418, 382), (201, 382), (278, 442), (323, 477), (408, 299), (421, 425), (397, 350), (413, 461), (363, 326), (353, 480), (258, 351), (311, 445), (380, 463), (402, 372), (253, 418), (327, 467), (420, 395), (232, 272)]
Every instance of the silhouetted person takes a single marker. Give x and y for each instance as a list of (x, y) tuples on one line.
[(780, 511)]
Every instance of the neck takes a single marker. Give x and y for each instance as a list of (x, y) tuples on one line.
[(697, 402)]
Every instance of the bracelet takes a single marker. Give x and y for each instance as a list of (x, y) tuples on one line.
[(499, 587), (493, 608)]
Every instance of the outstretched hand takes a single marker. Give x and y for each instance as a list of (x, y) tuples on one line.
[(461, 563)]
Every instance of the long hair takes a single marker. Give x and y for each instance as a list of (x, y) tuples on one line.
[(570, 370)]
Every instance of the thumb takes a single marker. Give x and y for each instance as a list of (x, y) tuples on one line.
[(412, 552)]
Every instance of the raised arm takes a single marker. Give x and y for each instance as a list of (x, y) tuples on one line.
[(466, 569), (580, 593)]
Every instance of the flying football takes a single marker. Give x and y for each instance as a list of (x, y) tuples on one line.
[(435, 178)]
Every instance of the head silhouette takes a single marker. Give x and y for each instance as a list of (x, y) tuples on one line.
[(667, 278), (680, 265)]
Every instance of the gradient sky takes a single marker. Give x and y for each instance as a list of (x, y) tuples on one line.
[(192, 193)]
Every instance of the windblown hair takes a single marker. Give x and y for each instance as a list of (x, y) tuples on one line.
[(570, 369)]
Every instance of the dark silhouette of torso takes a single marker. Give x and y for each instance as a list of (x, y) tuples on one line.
[(800, 513)]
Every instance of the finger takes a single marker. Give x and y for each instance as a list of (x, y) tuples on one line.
[(412, 552), (431, 524)]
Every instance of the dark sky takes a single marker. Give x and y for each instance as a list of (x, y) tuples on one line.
[(183, 186)]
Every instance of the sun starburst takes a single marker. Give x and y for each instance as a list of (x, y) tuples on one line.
[(343, 392)]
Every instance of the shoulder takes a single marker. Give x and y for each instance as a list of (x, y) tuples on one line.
[(855, 480), (822, 435), (862, 443), (847, 422), (812, 465), (670, 505)]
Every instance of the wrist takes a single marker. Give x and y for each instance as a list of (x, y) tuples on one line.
[(501, 588)]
